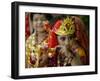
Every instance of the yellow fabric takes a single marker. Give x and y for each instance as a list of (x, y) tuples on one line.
[(81, 52)]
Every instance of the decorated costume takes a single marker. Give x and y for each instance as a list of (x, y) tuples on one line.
[(68, 40), (35, 51), (66, 44)]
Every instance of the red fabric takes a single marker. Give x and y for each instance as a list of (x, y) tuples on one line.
[(81, 33), (27, 29), (57, 25), (83, 59), (82, 37), (32, 61), (52, 41)]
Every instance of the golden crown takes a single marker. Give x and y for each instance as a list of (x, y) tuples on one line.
[(67, 27)]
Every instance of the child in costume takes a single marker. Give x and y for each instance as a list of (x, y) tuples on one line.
[(64, 44), (69, 50), (36, 42)]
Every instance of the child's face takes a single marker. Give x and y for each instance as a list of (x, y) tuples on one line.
[(63, 39), (38, 22)]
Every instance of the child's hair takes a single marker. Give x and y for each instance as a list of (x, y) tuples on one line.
[(48, 16)]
